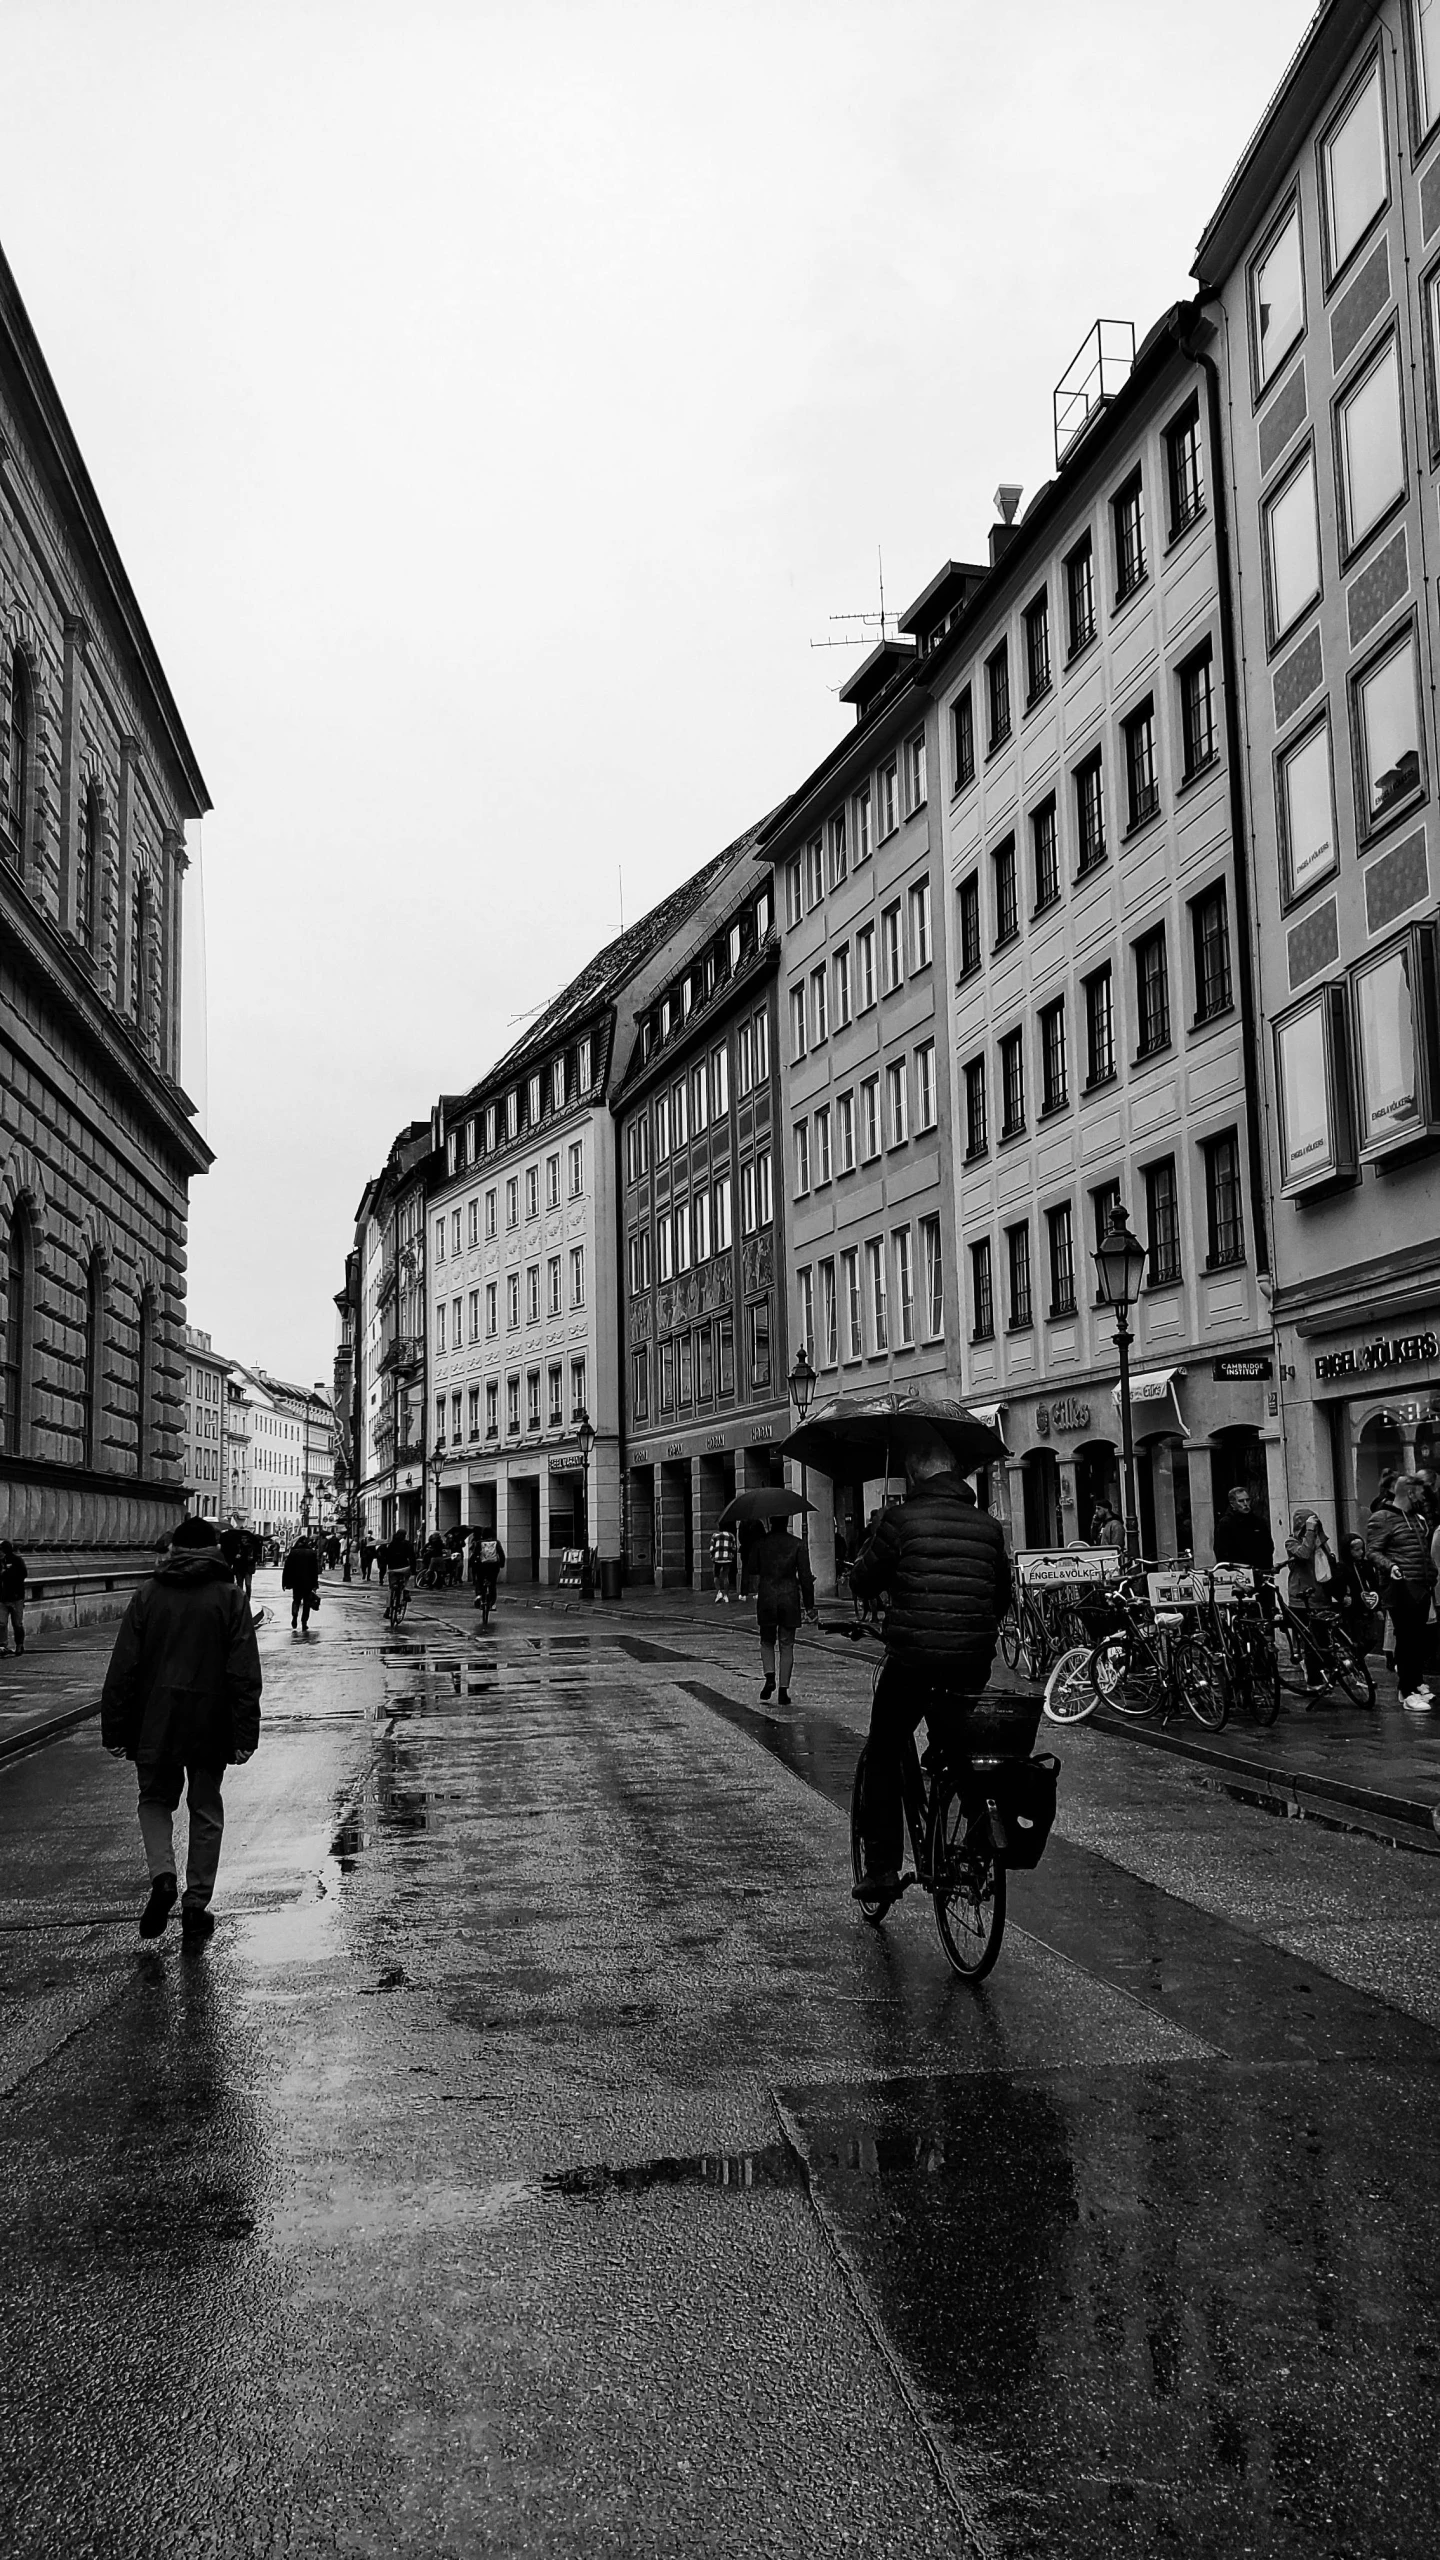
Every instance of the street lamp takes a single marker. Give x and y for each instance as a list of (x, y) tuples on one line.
[(802, 1383), (1120, 1260), (585, 1434)]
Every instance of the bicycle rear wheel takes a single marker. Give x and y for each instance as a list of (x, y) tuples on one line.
[(1070, 1692), (967, 1887), (1010, 1638), (1262, 1678), (1351, 1671), (1127, 1677), (873, 1912), (1201, 1681)]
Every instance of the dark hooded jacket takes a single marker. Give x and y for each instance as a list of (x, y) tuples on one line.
[(184, 1678), (785, 1585), (943, 1562), (302, 1569)]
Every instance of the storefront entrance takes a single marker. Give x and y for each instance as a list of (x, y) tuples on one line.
[(1040, 1480), (640, 1525), (1373, 1438), (1097, 1480), (676, 1563)]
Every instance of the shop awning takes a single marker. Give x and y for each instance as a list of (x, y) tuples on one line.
[(1149, 1389), (989, 1414)]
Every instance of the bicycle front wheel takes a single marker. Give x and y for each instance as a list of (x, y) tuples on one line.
[(1010, 1638), (1351, 1671), (1127, 1677), (1070, 1692), (967, 1886), (873, 1912), (1201, 1681)]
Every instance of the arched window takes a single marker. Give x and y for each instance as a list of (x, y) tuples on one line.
[(18, 794), (15, 1338), (92, 1385), (145, 1390), (140, 952), (87, 869)]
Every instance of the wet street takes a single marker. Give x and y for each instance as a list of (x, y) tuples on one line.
[(544, 2157)]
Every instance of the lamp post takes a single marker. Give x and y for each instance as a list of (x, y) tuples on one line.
[(585, 1434), (801, 1383), (1120, 1260)]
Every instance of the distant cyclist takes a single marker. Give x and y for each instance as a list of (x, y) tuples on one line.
[(941, 1562), (399, 1565)]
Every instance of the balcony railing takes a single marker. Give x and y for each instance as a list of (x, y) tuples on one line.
[(1100, 369), (402, 1351)]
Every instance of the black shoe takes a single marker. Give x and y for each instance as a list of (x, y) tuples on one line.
[(159, 1907), (196, 1926), (879, 1890), (784, 1698), (768, 1689)]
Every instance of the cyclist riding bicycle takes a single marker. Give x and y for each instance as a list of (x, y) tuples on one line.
[(399, 1565), (942, 1563)]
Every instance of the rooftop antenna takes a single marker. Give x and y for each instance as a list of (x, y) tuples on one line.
[(871, 628)]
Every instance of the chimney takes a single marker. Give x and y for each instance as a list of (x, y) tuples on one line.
[(1007, 499)]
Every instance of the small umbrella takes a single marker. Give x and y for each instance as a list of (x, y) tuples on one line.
[(772, 1502), (875, 1432)]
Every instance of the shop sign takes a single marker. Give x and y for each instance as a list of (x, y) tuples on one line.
[(717, 1440), (570, 1464), (639, 1457), (1067, 1413), (1049, 1569), (674, 1448), (761, 1431), (1241, 1365), (1391, 1351)]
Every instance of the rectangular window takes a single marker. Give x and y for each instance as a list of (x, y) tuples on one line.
[(667, 1377), (439, 1239), (579, 1397), (982, 1293), (1045, 841), (1162, 1220), (1004, 872), (895, 1102), (1372, 446), (904, 1290), (933, 1307), (1054, 1075), (557, 1084), (920, 925), (864, 838), (1060, 1231), (532, 1294), (532, 1191), (637, 1269), (962, 737), (512, 1115), (925, 1107), (1152, 993), (764, 1188), (889, 799), (1387, 724), (1209, 924), (1127, 514), (1224, 1215), (1142, 789), (639, 1386), (1292, 548), (865, 968), (1090, 813), (473, 1223), (1182, 469), (747, 1199), (1099, 1028), (1012, 1084), (805, 1313), (870, 1119), (1037, 649), (1197, 711), (577, 1168), (915, 773), (440, 1325), (555, 1376), (512, 1403), (760, 1028), (841, 966), (794, 892), (854, 1321), (814, 871), (512, 1201), (725, 1354), (820, 1003), (454, 1230), (879, 1305), (758, 1319), (845, 1120), (1017, 1254), (474, 1315), (492, 1308), (680, 1113), (839, 862), (685, 1364), (440, 1420), (1277, 298), (798, 1039), (801, 1137), (665, 1249), (1305, 792), (492, 1408), (1426, 31), (490, 1129), (1353, 163), (577, 1275), (977, 1125), (662, 1127), (1080, 596), (967, 924), (473, 1413), (704, 1365), (533, 1101), (829, 1318), (720, 1082), (892, 953), (720, 1197), (997, 694)]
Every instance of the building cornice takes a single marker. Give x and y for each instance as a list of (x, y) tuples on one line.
[(1336, 30)]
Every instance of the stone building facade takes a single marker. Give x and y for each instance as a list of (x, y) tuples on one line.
[(207, 1416), (387, 1273), (97, 1140)]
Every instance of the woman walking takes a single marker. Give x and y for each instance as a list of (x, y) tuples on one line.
[(785, 1590)]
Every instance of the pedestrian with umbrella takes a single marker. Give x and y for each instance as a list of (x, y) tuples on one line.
[(784, 1583)]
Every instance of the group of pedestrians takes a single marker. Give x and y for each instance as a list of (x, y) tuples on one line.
[(1380, 1584)]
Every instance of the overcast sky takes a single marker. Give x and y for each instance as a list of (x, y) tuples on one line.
[(492, 403)]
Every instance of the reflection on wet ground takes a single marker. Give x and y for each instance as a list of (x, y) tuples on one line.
[(776, 2166), (1185, 2310)]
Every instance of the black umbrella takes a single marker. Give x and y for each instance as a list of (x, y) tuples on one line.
[(873, 1434), (772, 1502)]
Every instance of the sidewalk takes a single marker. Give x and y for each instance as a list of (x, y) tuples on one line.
[(53, 1685)]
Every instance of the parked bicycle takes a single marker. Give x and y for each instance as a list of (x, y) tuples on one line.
[(1316, 1652), (1153, 1659), (976, 1804)]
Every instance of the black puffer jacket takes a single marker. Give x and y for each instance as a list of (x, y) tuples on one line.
[(1396, 1537), (184, 1678), (943, 1562)]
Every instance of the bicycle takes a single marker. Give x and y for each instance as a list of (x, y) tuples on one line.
[(1154, 1663), (969, 1815), (399, 1600), (1316, 1652)]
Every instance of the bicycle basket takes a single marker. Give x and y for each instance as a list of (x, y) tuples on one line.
[(1001, 1723), (1025, 1795)]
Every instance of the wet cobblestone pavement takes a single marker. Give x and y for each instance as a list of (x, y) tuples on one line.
[(543, 2156)]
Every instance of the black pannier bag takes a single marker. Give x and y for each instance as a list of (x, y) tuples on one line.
[(1024, 1793)]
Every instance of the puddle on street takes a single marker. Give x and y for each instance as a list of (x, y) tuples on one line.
[(774, 2166)]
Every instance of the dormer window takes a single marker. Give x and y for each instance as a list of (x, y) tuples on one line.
[(512, 1115), (534, 1098), (687, 998), (583, 1072), (666, 1017), (763, 911), (490, 1126), (557, 1084), (734, 946), (647, 1037)]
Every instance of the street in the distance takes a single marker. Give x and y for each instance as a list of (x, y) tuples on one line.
[(545, 2156)]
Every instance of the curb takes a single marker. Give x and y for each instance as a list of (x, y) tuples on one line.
[(1299, 1793), (29, 1737)]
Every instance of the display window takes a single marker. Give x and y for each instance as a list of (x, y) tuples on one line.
[(1315, 1137), (1394, 1014)]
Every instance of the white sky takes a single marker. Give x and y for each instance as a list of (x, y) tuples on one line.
[(491, 404)]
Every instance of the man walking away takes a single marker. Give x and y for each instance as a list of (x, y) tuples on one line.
[(1397, 1536), (301, 1578), (784, 1590), (182, 1700), (942, 1562), (367, 1558), (12, 1596)]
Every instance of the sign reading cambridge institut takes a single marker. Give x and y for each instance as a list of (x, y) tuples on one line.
[(1394, 1351)]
